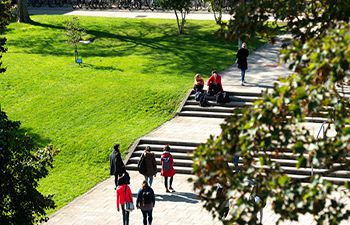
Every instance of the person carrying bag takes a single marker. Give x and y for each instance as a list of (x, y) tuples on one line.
[(124, 198)]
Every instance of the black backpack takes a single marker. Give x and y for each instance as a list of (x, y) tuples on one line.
[(226, 97), (147, 197), (220, 98), (203, 101)]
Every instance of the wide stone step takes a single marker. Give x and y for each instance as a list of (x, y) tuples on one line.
[(204, 114), (176, 155), (178, 169), (233, 98), (177, 162), (165, 142), (199, 108), (159, 148), (230, 104)]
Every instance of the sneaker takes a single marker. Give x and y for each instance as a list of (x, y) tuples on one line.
[(171, 189), (242, 83), (167, 191)]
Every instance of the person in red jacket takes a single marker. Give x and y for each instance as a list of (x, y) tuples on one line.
[(167, 170), (124, 195), (214, 84)]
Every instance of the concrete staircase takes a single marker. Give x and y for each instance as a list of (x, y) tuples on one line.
[(192, 108), (183, 151)]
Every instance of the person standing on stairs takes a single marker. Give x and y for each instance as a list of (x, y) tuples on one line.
[(167, 171), (147, 165), (242, 56), (117, 167)]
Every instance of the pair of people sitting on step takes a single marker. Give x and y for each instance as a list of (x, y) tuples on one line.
[(214, 87), (214, 84)]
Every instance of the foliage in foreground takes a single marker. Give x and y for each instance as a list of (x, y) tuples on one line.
[(21, 167), (273, 125)]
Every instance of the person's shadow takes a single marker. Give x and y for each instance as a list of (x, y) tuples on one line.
[(178, 197)]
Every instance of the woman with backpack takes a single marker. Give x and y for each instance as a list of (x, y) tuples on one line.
[(145, 201), (124, 196), (167, 170), (147, 165)]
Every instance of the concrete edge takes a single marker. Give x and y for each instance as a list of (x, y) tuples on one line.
[(131, 150), (179, 109)]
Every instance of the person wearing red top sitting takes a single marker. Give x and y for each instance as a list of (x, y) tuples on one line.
[(214, 84), (167, 170), (124, 194)]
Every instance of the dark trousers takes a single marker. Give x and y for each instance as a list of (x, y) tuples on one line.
[(213, 89), (125, 216), (243, 74), (147, 213), (166, 182)]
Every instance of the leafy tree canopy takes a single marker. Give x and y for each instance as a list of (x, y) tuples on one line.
[(5, 15), (275, 124), (20, 169)]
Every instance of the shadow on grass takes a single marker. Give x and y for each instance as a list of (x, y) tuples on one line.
[(107, 68), (199, 51), (38, 140)]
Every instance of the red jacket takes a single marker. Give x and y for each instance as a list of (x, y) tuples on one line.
[(216, 80), (124, 194), (171, 172)]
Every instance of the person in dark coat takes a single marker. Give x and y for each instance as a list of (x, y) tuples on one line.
[(117, 167), (146, 201), (167, 170), (242, 56), (148, 165)]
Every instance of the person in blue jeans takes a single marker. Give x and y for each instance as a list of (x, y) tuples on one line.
[(146, 201), (242, 56)]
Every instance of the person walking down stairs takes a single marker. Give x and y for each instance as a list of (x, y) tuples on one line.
[(242, 56), (147, 165), (167, 171)]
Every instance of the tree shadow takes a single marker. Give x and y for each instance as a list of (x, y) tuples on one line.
[(198, 51), (37, 140)]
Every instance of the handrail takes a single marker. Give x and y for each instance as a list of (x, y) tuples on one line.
[(322, 128)]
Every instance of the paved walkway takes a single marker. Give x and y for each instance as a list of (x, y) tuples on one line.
[(97, 207), (117, 13)]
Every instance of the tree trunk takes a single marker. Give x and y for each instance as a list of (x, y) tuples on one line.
[(22, 12), (183, 21), (178, 23)]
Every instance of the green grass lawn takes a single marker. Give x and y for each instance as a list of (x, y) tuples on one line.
[(133, 77)]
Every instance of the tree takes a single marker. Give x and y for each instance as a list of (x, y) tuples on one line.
[(21, 168), (22, 11), (179, 6), (320, 56), (5, 15), (74, 33)]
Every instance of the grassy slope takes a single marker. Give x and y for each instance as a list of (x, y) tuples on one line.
[(132, 79)]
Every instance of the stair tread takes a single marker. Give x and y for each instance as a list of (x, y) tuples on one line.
[(157, 146)]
